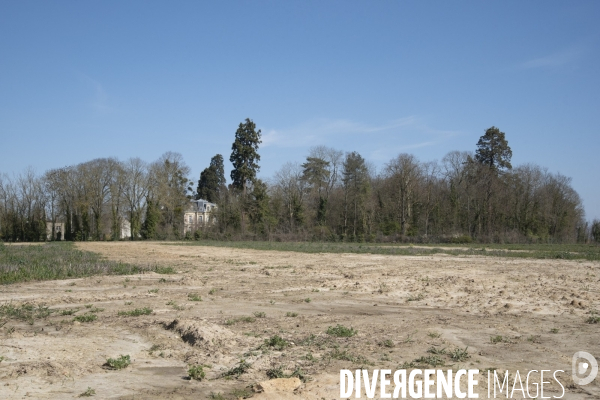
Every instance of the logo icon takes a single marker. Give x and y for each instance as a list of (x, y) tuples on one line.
[(583, 364)]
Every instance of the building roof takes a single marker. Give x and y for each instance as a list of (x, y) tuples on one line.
[(201, 206)]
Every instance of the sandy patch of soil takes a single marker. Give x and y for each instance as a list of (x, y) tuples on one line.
[(535, 310)]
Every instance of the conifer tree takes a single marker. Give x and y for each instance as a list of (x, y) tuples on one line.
[(493, 150), (244, 155)]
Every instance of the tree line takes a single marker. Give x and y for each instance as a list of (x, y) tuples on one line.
[(332, 195), (94, 198)]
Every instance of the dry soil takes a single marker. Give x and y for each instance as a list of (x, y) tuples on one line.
[(509, 314)]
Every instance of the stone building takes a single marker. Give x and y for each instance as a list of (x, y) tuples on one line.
[(198, 214)]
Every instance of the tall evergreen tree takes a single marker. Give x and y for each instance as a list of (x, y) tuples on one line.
[(595, 230), (493, 150), (217, 164), (258, 208), (355, 178), (151, 221), (244, 155), (212, 180), (316, 173)]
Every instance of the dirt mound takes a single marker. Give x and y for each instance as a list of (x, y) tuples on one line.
[(42, 369), (277, 389), (201, 333)]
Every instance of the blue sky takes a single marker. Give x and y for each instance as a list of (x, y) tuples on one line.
[(82, 80)]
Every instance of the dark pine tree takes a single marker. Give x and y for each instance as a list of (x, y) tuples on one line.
[(244, 155), (493, 150), (212, 180)]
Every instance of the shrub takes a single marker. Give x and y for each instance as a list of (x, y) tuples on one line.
[(118, 363), (242, 367), (275, 373), (341, 331), (196, 372), (460, 354), (276, 342)]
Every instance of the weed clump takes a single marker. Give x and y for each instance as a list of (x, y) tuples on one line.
[(88, 393), (196, 372), (136, 313), (433, 361), (118, 363), (460, 355), (435, 350), (85, 318), (496, 339), (337, 354), (276, 342), (594, 319), (275, 373), (165, 270), (242, 367), (419, 297), (25, 312), (194, 297), (341, 331)]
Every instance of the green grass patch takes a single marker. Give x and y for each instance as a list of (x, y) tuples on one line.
[(85, 318), (234, 321), (538, 251), (55, 260), (25, 312), (136, 312), (194, 297), (165, 270), (337, 354)]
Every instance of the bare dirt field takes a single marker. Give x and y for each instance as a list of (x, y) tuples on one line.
[(224, 309)]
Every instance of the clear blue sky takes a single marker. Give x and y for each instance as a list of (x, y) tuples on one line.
[(87, 79)]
